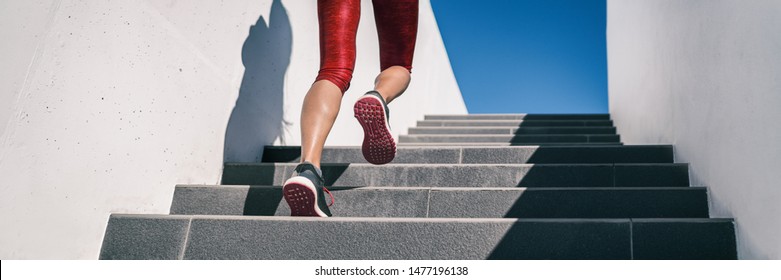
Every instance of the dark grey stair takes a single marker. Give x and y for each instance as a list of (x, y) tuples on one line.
[(501, 144), (512, 130), (677, 239), (237, 237), (515, 123), (519, 117), (509, 154), (570, 154), (553, 138), (469, 175), (658, 202)]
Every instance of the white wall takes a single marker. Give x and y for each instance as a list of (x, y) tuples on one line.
[(705, 75), (106, 105)]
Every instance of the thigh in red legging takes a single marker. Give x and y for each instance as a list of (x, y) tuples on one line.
[(338, 24), (397, 29)]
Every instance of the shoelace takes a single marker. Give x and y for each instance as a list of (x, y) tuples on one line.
[(331, 195)]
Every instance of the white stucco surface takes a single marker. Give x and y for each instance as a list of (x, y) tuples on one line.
[(705, 75), (106, 105)]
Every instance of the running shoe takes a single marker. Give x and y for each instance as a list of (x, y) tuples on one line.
[(373, 115), (304, 192)]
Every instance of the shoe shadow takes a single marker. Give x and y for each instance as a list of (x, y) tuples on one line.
[(262, 201)]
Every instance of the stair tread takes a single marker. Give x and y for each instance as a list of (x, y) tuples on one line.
[(419, 219), (516, 123), (521, 114), (632, 146), (469, 174), (460, 165), (533, 138), (491, 130), (646, 202), (500, 144), (533, 128), (258, 237), (456, 188), (518, 135)]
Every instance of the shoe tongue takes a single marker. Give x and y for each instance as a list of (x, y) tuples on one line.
[(309, 166), (318, 172)]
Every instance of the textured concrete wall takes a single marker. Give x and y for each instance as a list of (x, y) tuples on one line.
[(705, 75), (106, 105)]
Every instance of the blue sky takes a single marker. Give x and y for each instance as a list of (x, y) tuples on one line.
[(527, 56)]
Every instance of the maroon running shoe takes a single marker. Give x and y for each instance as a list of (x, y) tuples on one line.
[(304, 192), (373, 115)]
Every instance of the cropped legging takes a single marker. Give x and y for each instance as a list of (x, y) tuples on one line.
[(397, 28)]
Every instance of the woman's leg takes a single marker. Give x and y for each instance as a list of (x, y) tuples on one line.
[(392, 82), (321, 106), (397, 29), (338, 21), (305, 191)]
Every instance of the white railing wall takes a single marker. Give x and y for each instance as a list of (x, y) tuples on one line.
[(705, 75)]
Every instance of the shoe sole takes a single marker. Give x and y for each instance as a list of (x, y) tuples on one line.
[(301, 195), (378, 144)]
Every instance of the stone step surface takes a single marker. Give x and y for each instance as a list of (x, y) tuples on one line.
[(511, 130), (536, 138), (259, 237), (492, 186), (500, 144), (514, 123), (469, 175), (648, 202), (490, 154), (519, 117)]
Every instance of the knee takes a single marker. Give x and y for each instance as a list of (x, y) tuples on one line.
[(397, 68), (341, 77), (396, 72)]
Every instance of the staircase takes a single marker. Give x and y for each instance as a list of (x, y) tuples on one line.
[(461, 187)]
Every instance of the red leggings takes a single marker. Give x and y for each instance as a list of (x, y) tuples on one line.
[(397, 29)]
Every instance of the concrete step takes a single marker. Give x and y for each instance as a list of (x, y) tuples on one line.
[(648, 202), (512, 130), (500, 144), (258, 237), (537, 138), (477, 154), (519, 117), (469, 175), (514, 123)]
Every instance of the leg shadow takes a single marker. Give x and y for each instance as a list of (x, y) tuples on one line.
[(257, 118)]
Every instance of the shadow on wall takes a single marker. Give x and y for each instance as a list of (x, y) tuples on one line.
[(257, 119)]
